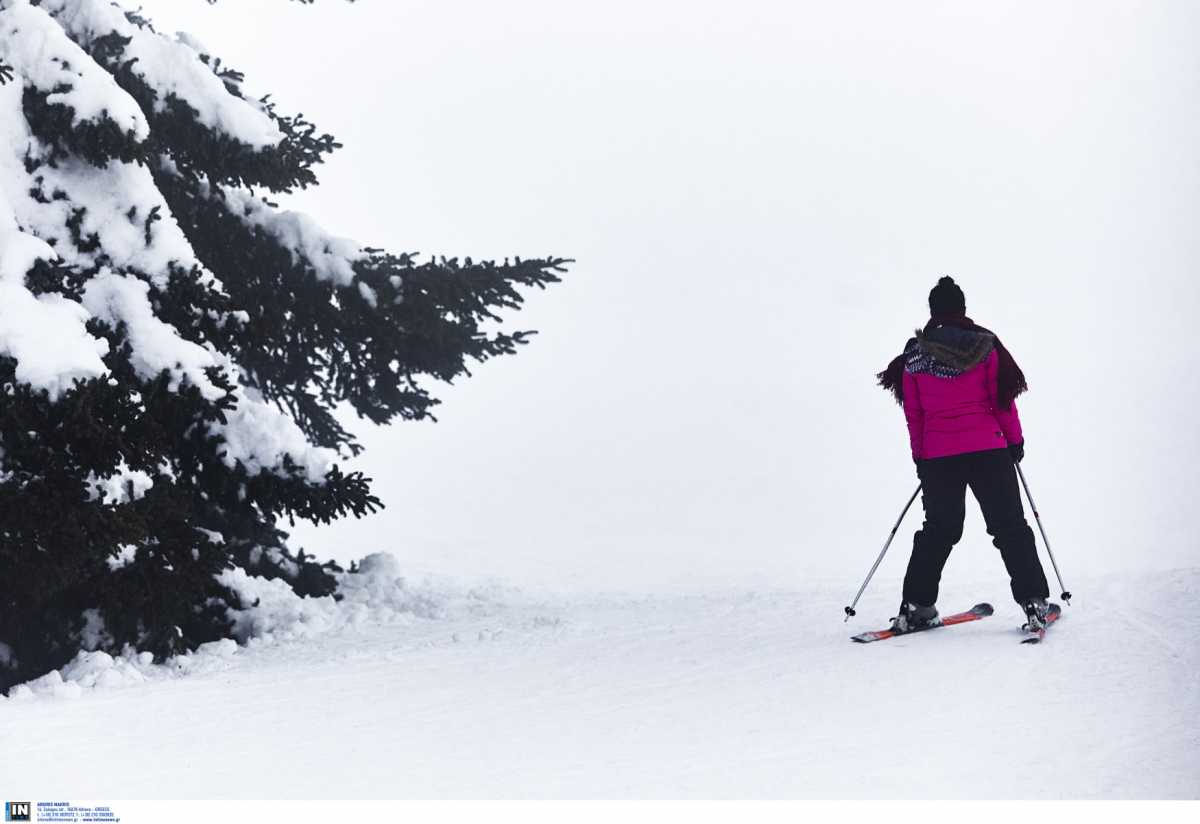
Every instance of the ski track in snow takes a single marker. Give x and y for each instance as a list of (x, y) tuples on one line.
[(752, 695)]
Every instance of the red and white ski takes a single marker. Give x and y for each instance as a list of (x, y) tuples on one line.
[(973, 614)]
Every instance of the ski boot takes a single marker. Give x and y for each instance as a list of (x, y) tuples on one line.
[(1036, 611), (913, 617)]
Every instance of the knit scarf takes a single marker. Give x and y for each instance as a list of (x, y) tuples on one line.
[(949, 355)]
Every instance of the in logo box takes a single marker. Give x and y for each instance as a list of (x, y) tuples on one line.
[(17, 811)]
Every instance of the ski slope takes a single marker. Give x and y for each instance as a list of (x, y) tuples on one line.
[(510, 694)]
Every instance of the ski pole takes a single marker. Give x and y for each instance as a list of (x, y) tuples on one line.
[(1066, 596), (850, 609)]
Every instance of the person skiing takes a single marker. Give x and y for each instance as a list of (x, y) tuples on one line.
[(958, 386)]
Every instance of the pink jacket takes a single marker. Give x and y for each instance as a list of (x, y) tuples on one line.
[(949, 416)]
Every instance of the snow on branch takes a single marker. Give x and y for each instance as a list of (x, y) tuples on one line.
[(262, 438), (156, 346), (113, 214), (44, 334), (171, 68), (255, 433), (331, 258), (50, 62)]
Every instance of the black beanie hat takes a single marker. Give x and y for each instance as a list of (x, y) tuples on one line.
[(947, 298)]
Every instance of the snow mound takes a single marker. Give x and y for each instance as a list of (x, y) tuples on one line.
[(376, 592), (272, 613), (99, 670)]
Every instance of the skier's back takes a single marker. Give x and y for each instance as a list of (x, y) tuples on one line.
[(958, 386)]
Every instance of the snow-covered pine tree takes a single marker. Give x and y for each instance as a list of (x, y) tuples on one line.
[(173, 345)]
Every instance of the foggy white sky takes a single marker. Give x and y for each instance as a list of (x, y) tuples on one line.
[(760, 196)]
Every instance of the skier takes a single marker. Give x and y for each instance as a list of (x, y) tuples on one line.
[(958, 385)]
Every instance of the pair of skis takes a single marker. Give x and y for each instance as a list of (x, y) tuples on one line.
[(975, 613)]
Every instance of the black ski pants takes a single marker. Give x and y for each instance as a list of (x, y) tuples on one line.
[(993, 481)]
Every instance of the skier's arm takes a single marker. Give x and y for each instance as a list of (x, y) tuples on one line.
[(914, 414), (1009, 420)]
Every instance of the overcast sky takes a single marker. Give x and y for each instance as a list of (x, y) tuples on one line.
[(759, 197)]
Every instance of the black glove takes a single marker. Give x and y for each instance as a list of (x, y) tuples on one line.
[(919, 464), (1017, 450)]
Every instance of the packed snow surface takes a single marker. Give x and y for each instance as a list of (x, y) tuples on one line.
[(434, 690)]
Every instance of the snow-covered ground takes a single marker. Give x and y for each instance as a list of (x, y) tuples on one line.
[(494, 692)]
